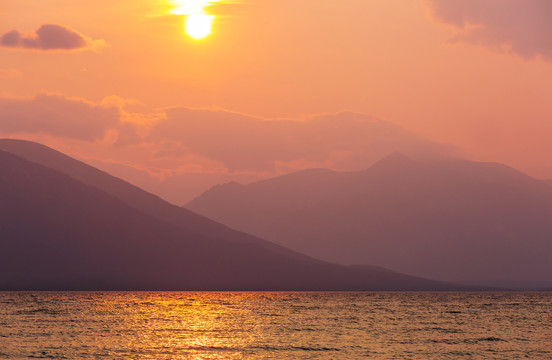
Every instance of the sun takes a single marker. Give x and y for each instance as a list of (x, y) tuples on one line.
[(199, 26), (198, 23)]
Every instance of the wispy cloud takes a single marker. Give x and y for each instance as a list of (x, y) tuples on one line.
[(192, 149), (523, 27), (57, 115), (218, 138), (244, 143)]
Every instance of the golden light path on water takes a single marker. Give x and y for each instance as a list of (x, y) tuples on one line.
[(198, 22), (261, 326)]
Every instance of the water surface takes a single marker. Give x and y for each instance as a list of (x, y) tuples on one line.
[(276, 325)]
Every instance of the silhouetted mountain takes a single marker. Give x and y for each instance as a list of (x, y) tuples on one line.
[(549, 182), (59, 233), (132, 195), (454, 220)]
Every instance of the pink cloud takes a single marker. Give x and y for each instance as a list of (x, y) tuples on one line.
[(50, 37), (523, 27), (58, 116), (180, 152), (245, 143)]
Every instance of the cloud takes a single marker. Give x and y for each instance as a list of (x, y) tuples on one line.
[(523, 27), (343, 141), (178, 153), (50, 37), (58, 116)]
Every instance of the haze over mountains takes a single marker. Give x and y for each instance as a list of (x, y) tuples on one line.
[(451, 220), (60, 233), (130, 194)]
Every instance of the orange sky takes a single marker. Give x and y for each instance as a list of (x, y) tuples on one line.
[(440, 76)]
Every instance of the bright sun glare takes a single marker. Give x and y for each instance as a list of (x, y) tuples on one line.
[(199, 26), (198, 23)]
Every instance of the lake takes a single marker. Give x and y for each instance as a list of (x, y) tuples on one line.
[(206, 325)]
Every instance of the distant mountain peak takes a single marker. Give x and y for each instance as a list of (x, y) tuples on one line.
[(400, 156), (229, 184), (448, 218), (60, 233), (395, 161)]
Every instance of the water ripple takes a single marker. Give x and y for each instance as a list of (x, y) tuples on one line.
[(275, 325)]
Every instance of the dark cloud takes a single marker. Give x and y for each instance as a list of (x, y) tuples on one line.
[(244, 143), (50, 37), (58, 116), (520, 26)]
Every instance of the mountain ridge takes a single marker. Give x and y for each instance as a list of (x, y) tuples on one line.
[(457, 219), (61, 234), (131, 194)]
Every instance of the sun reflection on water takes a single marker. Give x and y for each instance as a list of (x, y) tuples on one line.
[(258, 326)]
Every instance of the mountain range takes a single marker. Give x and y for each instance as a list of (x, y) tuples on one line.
[(453, 220), (67, 226)]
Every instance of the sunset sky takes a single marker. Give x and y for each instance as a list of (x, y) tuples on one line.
[(279, 85)]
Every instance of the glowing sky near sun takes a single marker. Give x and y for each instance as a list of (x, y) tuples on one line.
[(198, 22), (106, 74), (190, 7)]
